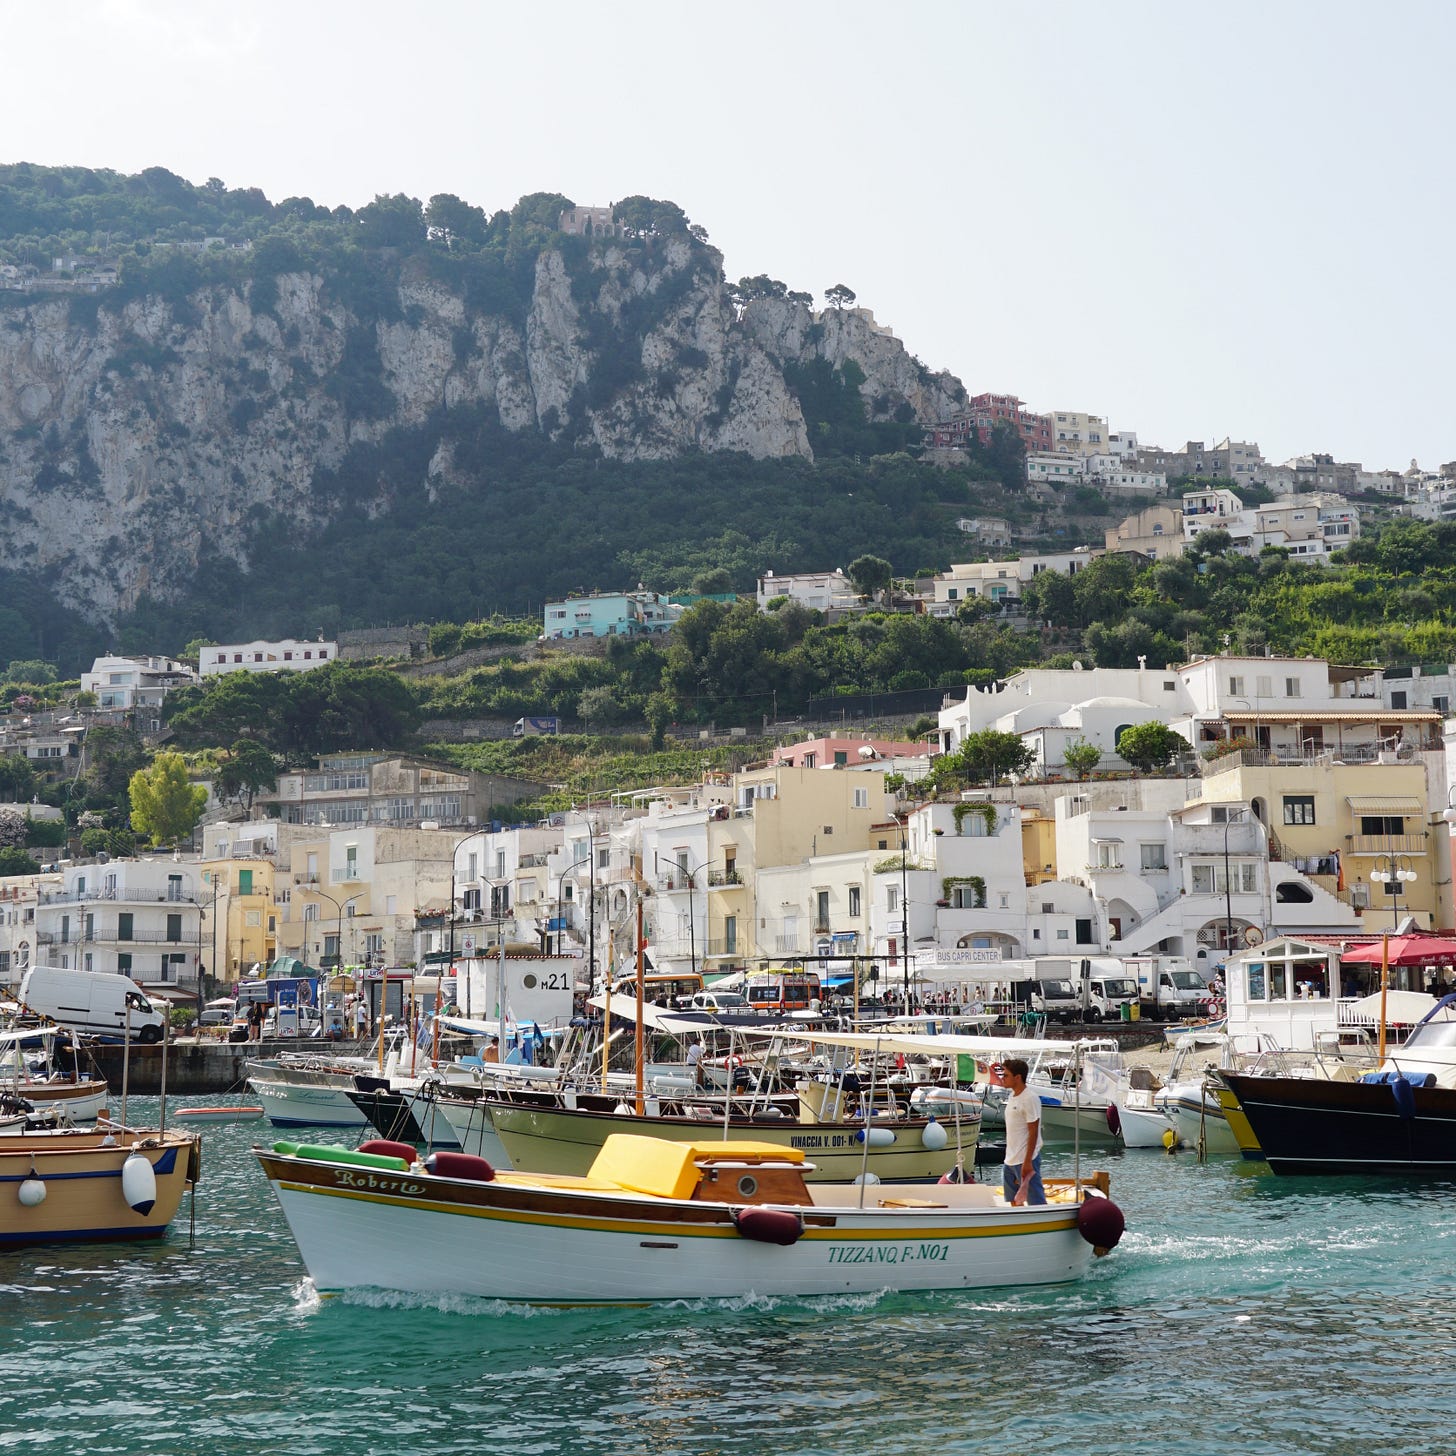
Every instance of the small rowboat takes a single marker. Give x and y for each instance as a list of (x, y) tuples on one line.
[(219, 1114)]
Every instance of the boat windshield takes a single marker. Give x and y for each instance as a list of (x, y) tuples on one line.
[(1432, 1035)]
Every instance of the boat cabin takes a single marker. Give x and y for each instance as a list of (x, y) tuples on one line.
[(716, 1172)]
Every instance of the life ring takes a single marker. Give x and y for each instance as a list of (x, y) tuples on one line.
[(729, 1063)]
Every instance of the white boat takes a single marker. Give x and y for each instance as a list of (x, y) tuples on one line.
[(39, 1066), (297, 1095), (1075, 1081), (474, 1131), (663, 1220), (1190, 1095), (1205, 1030)]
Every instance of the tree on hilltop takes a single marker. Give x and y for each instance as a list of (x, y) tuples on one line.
[(840, 296)]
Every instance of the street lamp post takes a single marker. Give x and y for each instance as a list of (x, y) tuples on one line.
[(339, 907), (904, 826), (204, 908), (1392, 879), (1232, 816), (591, 856)]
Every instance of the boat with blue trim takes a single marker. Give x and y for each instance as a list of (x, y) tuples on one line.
[(98, 1184)]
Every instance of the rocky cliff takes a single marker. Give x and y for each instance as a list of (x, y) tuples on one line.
[(138, 435)]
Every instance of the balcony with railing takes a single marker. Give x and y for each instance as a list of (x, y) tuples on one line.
[(724, 946), (724, 879), (1378, 844)]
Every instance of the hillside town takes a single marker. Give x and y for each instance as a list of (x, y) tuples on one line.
[(1304, 799)]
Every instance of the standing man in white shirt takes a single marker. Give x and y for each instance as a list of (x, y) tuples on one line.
[(1021, 1173)]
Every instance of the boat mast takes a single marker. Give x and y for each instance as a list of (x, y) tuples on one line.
[(637, 1056)]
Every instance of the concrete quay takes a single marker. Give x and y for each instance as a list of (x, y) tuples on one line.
[(197, 1066)]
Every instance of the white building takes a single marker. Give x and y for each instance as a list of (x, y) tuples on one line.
[(999, 581), (136, 684), (19, 897), (1050, 468), (1308, 526), (285, 656), (1118, 474), (818, 590), (135, 917)]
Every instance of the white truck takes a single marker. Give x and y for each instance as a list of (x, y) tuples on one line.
[(1108, 994), (1169, 988), (96, 1003)]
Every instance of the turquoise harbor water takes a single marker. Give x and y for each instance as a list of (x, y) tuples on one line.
[(1241, 1313)]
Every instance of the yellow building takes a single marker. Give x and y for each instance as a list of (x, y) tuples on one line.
[(780, 815), (1038, 847), (1351, 827), (242, 916)]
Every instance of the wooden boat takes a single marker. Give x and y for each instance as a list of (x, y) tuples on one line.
[(102, 1184), (237, 1113), (657, 1220), (567, 1140), (57, 1083), (1399, 1118)]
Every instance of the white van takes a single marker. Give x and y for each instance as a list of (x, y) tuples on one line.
[(94, 1002)]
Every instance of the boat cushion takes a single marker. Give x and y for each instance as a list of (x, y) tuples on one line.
[(1416, 1079)]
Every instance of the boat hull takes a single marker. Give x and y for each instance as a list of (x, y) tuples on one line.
[(520, 1239), (557, 1140), (295, 1104), (475, 1132), (1065, 1123), (1315, 1125), (82, 1177), (82, 1101), (1199, 1118)]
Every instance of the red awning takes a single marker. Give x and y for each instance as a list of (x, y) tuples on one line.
[(1405, 950)]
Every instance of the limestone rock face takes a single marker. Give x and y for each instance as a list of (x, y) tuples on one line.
[(140, 438)]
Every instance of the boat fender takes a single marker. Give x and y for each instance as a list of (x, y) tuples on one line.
[(1100, 1222), (1405, 1098), (956, 1175), (877, 1137), (1114, 1119), (389, 1148), (933, 1137), (138, 1183), (32, 1192), (445, 1164), (780, 1226), (194, 1161)]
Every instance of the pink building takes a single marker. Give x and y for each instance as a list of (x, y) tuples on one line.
[(827, 752), (984, 413)]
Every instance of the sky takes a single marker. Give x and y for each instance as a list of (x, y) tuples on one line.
[(1197, 220)]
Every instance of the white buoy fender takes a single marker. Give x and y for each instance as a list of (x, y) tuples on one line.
[(32, 1192), (877, 1137), (138, 1184), (933, 1136)]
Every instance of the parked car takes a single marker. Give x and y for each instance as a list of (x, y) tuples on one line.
[(219, 1012)]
